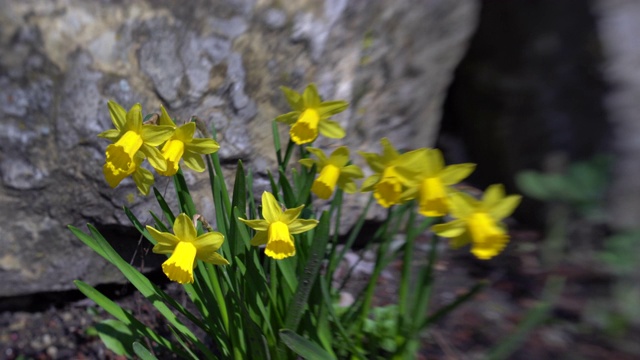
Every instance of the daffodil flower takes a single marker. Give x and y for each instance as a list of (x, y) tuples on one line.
[(386, 183), (278, 227), (429, 181), (311, 115), (141, 176), (182, 145), (479, 222), (185, 246), (130, 137), (333, 171)]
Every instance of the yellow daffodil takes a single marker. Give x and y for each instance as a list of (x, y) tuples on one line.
[(185, 247), (430, 179), (130, 137), (478, 222), (386, 183), (182, 145), (141, 176), (333, 171), (278, 227), (310, 114)]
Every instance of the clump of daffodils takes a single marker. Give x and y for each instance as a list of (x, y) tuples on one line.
[(163, 145)]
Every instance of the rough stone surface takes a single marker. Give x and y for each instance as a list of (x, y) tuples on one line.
[(61, 60)]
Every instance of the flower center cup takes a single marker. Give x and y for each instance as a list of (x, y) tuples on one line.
[(172, 151), (280, 242), (179, 267), (433, 198), (120, 155), (305, 130), (325, 183), (488, 239), (389, 188)]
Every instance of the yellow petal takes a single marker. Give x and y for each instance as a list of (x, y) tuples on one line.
[(172, 153), (389, 153), (134, 119), (308, 163), (118, 114), (330, 108), (453, 174), (207, 244), (301, 225), (493, 195), (373, 160), (155, 158), (305, 130), (462, 205), (280, 242), (347, 185), (143, 179), (184, 229), (179, 267), (291, 214), (433, 162), (451, 229), (310, 96), (203, 146), (289, 118), (369, 183), (322, 158), (325, 183), (339, 157), (271, 209), (293, 98), (433, 198), (111, 135), (258, 224), (185, 132), (165, 119), (166, 242), (352, 172), (410, 166), (154, 135), (193, 161), (505, 207), (260, 238), (331, 129), (217, 259)]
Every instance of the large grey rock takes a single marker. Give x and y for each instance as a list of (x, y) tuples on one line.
[(60, 61)]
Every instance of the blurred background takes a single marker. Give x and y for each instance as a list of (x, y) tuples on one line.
[(543, 95)]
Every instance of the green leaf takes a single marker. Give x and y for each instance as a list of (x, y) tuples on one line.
[(164, 206), (142, 352), (316, 256), (116, 336), (184, 197), (303, 347)]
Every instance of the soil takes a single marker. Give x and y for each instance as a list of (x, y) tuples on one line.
[(60, 325)]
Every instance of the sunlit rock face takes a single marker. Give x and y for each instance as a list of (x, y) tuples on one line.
[(60, 61)]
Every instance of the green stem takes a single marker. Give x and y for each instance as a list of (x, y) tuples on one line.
[(403, 301)]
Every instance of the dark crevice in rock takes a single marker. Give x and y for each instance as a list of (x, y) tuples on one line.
[(528, 89), (42, 301)]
